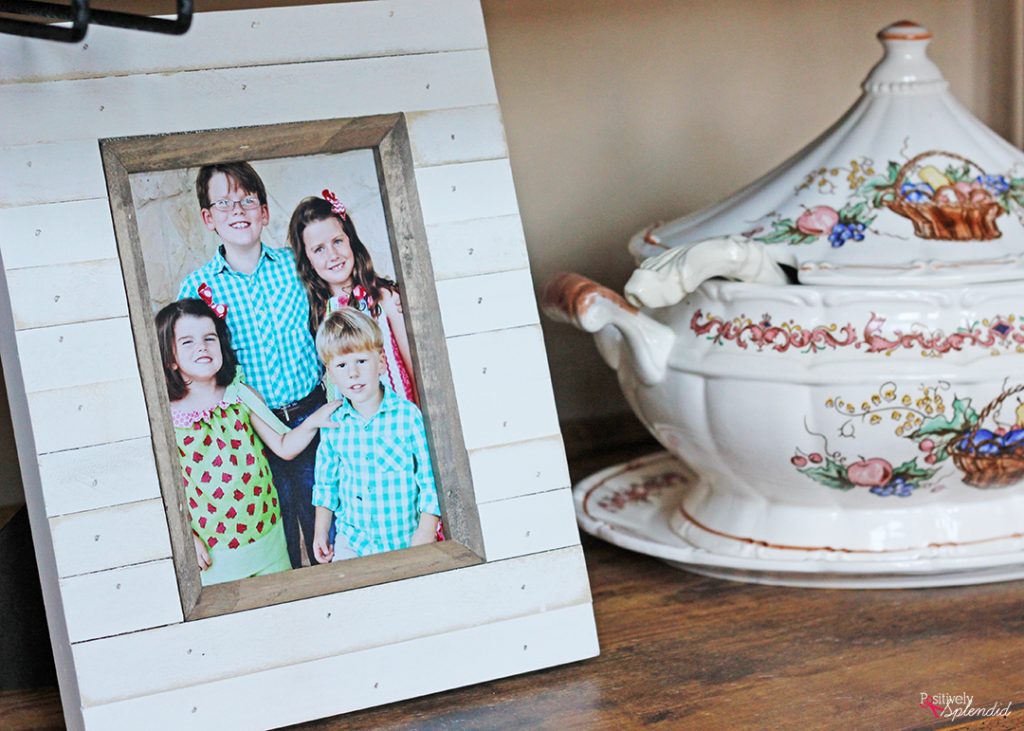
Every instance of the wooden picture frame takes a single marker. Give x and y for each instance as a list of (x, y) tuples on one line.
[(136, 644), (387, 136)]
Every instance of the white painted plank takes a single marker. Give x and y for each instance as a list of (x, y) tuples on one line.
[(483, 246), (505, 419), (98, 477), (83, 416), (61, 171), (77, 355), (25, 443), (456, 135), (523, 468), (57, 233), (505, 360), (124, 600), (208, 650), (487, 302), (110, 538), (65, 293), (503, 386), (529, 524), (137, 105), (368, 678), (466, 191), (257, 37)]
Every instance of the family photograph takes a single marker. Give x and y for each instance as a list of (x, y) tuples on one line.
[(287, 363)]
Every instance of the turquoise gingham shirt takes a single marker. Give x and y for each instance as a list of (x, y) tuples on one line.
[(268, 316), (376, 475)]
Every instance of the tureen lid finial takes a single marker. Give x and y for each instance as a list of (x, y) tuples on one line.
[(904, 30), (905, 68)]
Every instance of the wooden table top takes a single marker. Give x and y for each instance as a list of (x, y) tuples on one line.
[(683, 651)]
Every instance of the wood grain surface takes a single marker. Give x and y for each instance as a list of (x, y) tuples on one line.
[(684, 651)]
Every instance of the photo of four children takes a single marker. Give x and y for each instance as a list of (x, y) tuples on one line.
[(288, 370)]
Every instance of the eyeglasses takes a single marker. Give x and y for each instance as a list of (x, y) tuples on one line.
[(225, 205)]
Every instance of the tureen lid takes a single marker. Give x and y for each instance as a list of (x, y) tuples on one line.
[(908, 184)]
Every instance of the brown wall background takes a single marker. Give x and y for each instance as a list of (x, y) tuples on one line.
[(619, 113)]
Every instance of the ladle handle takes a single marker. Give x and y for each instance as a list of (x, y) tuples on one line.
[(667, 278)]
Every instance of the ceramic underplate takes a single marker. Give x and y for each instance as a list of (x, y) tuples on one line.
[(631, 505)]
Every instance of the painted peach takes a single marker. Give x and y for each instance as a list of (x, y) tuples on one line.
[(870, 472), (817, 221)]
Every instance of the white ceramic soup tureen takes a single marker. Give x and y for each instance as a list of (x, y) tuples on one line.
[(838, 349)]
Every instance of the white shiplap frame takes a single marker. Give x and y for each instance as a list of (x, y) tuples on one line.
[(125, 655)]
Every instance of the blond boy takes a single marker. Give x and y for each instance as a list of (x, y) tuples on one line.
[(373, 473)]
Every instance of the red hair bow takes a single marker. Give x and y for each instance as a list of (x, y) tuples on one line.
[(359, 294), (206, 295), (336, 205)]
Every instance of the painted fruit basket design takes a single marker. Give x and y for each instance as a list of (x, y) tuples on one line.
[(990, 458), (959, 203), (945, 195), (986, 457)]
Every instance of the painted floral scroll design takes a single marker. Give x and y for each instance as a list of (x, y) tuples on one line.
[(997, 334), (641, 490)]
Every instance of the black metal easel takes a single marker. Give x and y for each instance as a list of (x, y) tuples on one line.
[(81, 15)]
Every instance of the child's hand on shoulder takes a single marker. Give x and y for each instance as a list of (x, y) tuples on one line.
[(321, 418)]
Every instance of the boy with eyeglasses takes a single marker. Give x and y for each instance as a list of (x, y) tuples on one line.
[(267, 313)]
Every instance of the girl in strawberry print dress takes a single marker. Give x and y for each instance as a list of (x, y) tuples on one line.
[(337, 271), (221, 426)]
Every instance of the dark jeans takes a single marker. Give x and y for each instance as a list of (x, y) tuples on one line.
[(294, 481)]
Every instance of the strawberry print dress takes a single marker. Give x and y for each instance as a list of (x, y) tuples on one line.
[(229, 490)]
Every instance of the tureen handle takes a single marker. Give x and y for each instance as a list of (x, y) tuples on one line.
[(667, 278), (579, 301)]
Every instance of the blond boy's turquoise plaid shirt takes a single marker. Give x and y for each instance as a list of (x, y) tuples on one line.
[(268, 316), (376, 475)]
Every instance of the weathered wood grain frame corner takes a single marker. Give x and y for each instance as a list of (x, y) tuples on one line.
[(387, 136)]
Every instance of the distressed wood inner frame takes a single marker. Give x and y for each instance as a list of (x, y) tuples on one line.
[(388, 137)]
